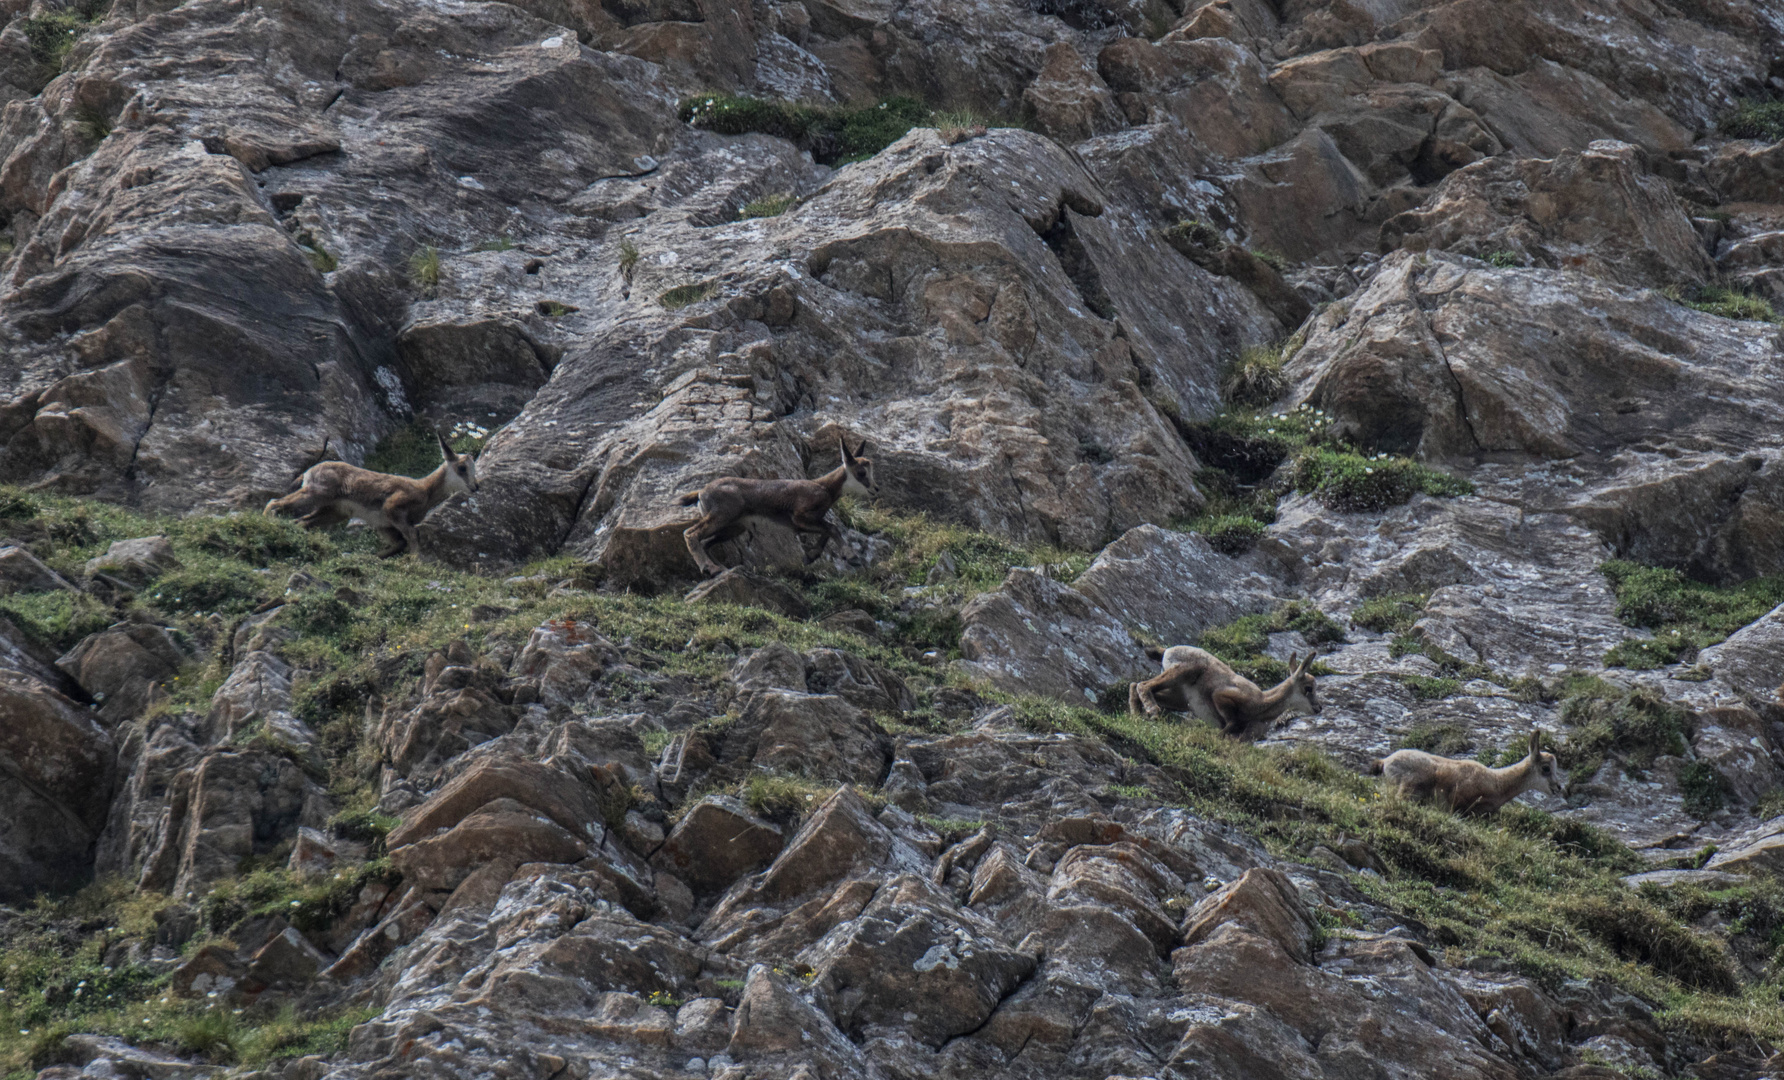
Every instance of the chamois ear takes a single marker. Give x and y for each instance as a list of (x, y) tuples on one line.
[(1536, 743), (861, 451), (1294, 664), (445, 448), (847, 458)]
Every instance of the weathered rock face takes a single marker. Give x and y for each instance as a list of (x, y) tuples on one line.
[(60, 768)]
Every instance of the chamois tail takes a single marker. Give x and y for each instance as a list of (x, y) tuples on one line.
[(1155, 652), (1375, 767), (690, 498)]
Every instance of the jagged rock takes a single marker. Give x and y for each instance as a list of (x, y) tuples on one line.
[(1172, 586), (573, 803), (1070, 102), (1216, 88), (817, 735), (1752, 659), (501, 829), (122, 666), (23, 572), (745, 589), (60, 769), (212, 969), (1263, 902), (717, 841), (97, 1055), (228, 807), (1597, 211), (913, 961), (1747, 171), (1037, 636), (287, 960), (862, 683), (563, 659), (136, 562)]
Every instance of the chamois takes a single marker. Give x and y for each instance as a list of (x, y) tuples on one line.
[(335, 491), (730, 504), (1468, 786), (1199, 683)]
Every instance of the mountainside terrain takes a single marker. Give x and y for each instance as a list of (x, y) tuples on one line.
[(1435, 338)]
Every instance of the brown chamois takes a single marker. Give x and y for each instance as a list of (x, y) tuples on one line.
[(335, 491), (731, 504), (1468, 786), (1201, 684)]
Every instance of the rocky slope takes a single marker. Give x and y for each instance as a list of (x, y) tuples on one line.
[(1432, 336)]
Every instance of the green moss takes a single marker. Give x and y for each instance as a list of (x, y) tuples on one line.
[(1393, 614), (1704, 788), (1754, 119), (57, 619), (1504, 260), (1723, 301), (1352, 482), (1275, 260), (1685, 615)]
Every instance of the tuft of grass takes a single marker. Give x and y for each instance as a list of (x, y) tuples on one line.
[(628, 258), (1754, 119), (1504, 260), (1684, 615), (1705, 789), (554, 309), (1723, 301), (1429, 688), (1256, 378), (57, 619), (1195, 233), (1275, 260), (833, 135), (1351, 482), (503, 242), (424, 266), (1393, 614), (1229, 534), (92, 124), (1603, 719), (51, 35), (683, 295), (1449, 740), (768, 206)]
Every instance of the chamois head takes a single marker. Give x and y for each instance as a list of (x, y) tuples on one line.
[(461, 469), (1545, 772), (1301, 691), (857, 470)]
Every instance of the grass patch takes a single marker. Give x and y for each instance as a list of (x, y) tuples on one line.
[(1705, 789), (52, 35), (768, 206), (1604, 719), (833, 135), (1449, 740), (424, 266), (1241, 643), (1350, 482), (1430, 688), (1393, 614), (1229, 534), (1684, 615), (1754, 119), (1256, 378), (683, 295), (1723, 301), (413, 450), (496, 243), (1504, 260), (628, 258), (58, 619)]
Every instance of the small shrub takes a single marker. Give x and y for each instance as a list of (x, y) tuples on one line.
[(324, 262), (1229, 534), (1256, 378), (51, 36), (1390, 614), (1752, 119), (1504, 260), (1448, 740), (783, 800), (212, 1034), (424, 266), (17, 506), (832, 135), (1350, 482), (767, 206), (1636, 725), (1427, 688), (628, 258), (683, 295), (1273, 259), (554, 309), (1196, 234), (1704, 788)]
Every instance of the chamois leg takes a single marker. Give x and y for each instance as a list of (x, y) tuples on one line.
[(393, 541), (298, 500), (411, 537), (821, 523), (322, 517), (1142, 693), (698, 536)]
